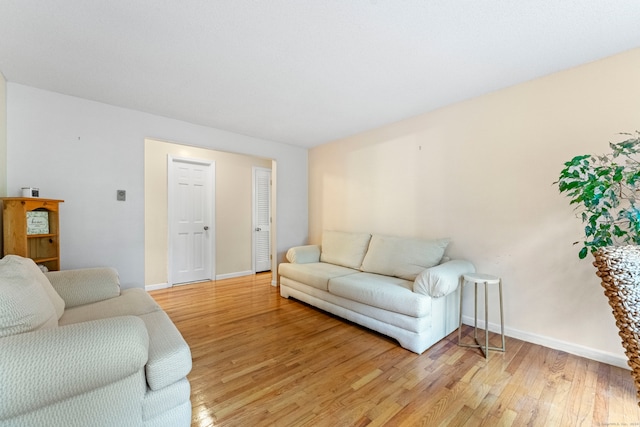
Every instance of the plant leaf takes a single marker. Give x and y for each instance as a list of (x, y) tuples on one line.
[(583, 253)]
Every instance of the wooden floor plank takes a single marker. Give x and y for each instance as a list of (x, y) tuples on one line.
[(262, 360)]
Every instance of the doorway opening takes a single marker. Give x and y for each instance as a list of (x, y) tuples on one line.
[(232, 242)]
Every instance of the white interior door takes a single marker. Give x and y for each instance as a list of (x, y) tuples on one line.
[(191, 225), (261, 219)]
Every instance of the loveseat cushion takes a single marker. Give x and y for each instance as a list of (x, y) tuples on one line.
[(169, 355), (85, 285), (402, 257), (315, 274), (31, 269), (24, 303), (131, 302), (386, 292), (57, 302), (343, 248)]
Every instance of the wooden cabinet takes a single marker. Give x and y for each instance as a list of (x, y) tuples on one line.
[(30, 229)]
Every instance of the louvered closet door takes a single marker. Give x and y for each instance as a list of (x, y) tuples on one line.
[(262, 219)]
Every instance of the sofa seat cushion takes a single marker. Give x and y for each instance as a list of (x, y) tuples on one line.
[(389, 293), (315, 274), (130, 302), (169, 355), (24, 303)]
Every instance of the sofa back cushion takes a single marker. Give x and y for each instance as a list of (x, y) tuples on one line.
[(343, 248), (85, 285), (24, 303), (402, 257)]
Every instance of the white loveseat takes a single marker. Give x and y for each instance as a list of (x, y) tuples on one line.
[(76, 350), (401, 287)]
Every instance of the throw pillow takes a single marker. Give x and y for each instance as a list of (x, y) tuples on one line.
[(24, 303)]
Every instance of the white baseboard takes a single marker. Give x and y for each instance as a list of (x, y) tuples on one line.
[(156, 287), (218, 277), (232, 275), (578, 350)]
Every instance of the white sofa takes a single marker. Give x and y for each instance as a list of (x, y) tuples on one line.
[(75, 350), (401, 287)]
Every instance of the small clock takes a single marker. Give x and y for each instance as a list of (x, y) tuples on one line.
[(37, 222)]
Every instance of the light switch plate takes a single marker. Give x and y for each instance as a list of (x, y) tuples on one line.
[(121, 195)]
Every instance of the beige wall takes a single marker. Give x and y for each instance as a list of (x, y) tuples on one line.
[(481, 172), (233, 204)]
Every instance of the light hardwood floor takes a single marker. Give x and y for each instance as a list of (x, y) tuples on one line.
[(262, 360)]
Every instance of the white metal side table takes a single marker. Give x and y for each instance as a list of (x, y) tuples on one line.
[(486, 280)]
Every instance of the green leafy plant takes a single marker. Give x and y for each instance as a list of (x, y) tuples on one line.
[(605, 190)]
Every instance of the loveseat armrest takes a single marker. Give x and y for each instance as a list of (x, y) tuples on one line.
[(85, 285), (46, 366), (304, 254), (442, 279), (169, 354)]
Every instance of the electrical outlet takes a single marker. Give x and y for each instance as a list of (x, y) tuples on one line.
[(121, 195)]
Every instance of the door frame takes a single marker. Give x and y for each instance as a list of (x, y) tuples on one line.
[(171, 159)]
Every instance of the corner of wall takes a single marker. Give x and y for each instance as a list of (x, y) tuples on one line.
[(3, 136), (3, 143)]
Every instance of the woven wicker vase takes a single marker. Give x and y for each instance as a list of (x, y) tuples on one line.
[(619, 270)]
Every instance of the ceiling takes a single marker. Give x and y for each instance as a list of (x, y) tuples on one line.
[(301, 72)]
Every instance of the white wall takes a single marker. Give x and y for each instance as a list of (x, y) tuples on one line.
[(481, 172), (83, 151)]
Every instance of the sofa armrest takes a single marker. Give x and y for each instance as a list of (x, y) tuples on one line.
[(304, 254), (50, 365), (442, 279), (85, 285)]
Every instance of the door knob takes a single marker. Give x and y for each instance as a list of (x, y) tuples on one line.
[(258, 229), (206, 227)]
